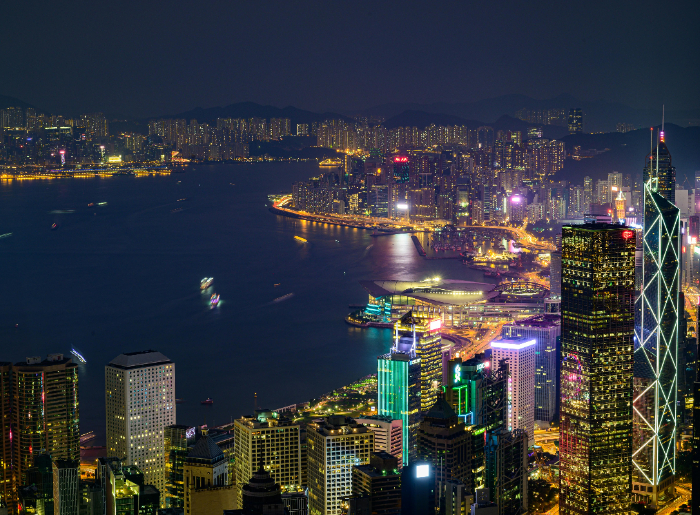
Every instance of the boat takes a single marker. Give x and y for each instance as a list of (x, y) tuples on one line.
[(179, 401), (277, 284), (214, 300), (78, 356), (54, 227), (303, 240), (205, 283), (209, 401), (283, 297), (335, 161)]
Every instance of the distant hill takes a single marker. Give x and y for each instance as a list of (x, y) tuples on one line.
[(251, 109), (6, 101), (599, 115), (628, 151)]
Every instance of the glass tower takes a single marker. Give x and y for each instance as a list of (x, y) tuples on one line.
[(596, 369), (656, 333), (421, 333), (399, 393)]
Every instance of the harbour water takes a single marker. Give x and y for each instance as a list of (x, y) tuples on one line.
[(124, 276)]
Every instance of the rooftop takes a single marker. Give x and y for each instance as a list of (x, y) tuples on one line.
[(144, 358), (447, 292), (546, 320)]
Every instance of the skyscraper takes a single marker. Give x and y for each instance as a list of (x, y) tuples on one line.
[(399, 392), (272, 440), (381, 482), (519, 353), (176, 439), (544, 329), (422, 334), (445, 443), (660, 171), (656, 331), (140, 404), (507, 464), (335, 444), (45, 415), (596, 369)]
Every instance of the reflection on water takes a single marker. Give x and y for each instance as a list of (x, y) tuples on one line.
[(127, 277)]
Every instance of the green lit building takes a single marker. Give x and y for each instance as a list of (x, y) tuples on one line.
[(398, 393), (656, 335), (597, 307), (479, 397)]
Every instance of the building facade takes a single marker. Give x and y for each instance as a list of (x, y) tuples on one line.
[(398, 395), (272, 439), (596, 370), (336, 444), (545, 329), (656, 334), (388, 434), (519, 353), (140, 404)]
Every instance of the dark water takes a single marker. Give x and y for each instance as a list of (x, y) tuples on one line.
[(125, 277)]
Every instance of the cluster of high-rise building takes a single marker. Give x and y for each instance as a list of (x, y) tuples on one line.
[(450, 434)]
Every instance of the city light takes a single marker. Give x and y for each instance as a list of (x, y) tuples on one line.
[(502, 344), (422, 471)]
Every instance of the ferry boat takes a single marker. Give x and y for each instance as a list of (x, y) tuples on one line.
[(303, 240), (214, 300), (205, 283), (54, 227), (78, 356), (283, 297), (209, 401), (335, 161)]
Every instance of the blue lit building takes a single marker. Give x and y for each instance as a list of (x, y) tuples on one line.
[(544, 329)]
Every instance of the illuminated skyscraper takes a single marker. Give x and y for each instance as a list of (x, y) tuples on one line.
[(658, 168), (544, 329), (177, 438), (656, 333), (519, 353), (399, 392), (45, 418), (140, 404), (445, 443), (422, 334), (596, 369), (272, 440), (335, 444)]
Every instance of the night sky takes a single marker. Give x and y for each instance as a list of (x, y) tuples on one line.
[(146, 58)]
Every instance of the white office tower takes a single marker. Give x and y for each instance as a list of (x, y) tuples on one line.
[(388, 434), (520, 355), (140, 403)]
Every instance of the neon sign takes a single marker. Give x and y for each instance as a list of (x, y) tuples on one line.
[(398, 159), (435, 324), (627, 234)]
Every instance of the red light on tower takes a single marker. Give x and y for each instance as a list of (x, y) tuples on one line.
[(627, 234)]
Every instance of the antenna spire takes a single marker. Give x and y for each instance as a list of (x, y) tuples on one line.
[(662, 135)]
